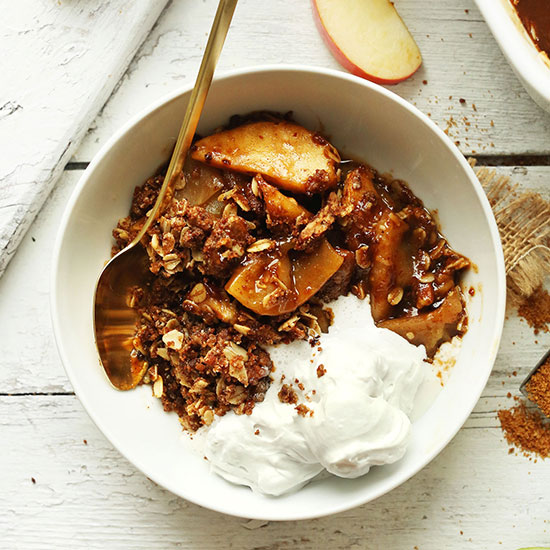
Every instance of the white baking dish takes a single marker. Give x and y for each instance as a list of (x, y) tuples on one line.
[(531, 67)]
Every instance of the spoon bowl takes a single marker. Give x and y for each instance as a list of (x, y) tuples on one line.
[(115, 319)]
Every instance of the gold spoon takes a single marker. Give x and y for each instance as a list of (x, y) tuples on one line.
[(114, 319)]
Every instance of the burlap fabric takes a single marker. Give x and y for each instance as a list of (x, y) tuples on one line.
[(523, 219)]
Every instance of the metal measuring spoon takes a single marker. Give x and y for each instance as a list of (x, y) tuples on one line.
[(114, 319), (523, 387)]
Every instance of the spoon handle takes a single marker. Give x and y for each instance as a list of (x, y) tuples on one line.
[(218, 32)]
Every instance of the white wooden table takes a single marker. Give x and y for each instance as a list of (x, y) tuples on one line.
[(62, 485)]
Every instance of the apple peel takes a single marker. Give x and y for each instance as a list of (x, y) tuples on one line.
[(368, 38)]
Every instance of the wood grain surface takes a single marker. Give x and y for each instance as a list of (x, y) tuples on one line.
[(86, 495), (60, 61), (455, 66)]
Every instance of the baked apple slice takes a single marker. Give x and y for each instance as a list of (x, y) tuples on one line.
[(359, 191), (280, 209), (312, 270), (383, 290), (362, 207), (264, 283), (286, 154), (271, 283), (210, 303), (202, 182), (433, 328)]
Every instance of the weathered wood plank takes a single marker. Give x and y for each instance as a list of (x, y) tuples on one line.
[(456, 65), (88, 496), (60, 62), (30, 362)]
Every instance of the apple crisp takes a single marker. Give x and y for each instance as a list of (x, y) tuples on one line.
[(268, 227)]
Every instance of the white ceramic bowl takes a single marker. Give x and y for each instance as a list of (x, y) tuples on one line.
[(519, 50), (362, 119)]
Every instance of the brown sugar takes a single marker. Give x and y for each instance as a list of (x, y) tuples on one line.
[(538, 387), (526, 430), (536, 310)]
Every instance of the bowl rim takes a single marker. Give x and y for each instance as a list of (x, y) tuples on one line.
[(247, 71)]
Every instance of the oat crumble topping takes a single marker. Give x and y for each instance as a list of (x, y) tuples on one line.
[(247, 255)]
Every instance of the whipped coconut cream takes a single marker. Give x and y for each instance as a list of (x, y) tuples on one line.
[(357, 412)]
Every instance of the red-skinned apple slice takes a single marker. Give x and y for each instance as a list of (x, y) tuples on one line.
[(368, 38)]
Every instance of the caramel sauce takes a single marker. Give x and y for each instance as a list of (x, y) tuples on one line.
[(535, 16), (396, 195)]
